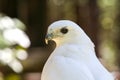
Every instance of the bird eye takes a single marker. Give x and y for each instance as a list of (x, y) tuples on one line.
[(64, 30)]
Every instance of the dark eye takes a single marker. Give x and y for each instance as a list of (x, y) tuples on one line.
[(64, 30)]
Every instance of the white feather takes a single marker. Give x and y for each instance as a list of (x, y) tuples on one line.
[(74, 56)]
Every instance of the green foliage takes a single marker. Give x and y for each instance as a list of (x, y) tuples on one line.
[(13, 77), (3, 42)]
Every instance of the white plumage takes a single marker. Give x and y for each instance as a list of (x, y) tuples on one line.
[(74, 56)]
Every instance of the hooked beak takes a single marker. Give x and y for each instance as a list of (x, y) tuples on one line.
[(48, 37)]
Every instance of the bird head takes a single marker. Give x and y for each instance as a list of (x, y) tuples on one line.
[(67, 32)]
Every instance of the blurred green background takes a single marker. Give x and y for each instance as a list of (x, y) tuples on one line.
[(23, 25)]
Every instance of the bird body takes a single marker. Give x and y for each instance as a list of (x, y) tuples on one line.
[(74, 56)]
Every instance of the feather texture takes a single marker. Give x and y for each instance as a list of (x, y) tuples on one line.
[(74, 56)]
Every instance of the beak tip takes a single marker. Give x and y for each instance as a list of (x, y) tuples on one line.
[(48, 37), (46, 40)]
